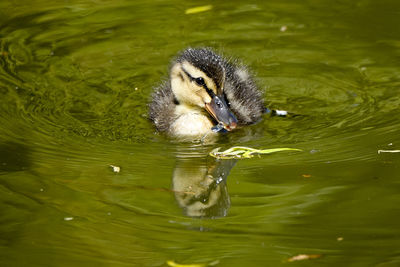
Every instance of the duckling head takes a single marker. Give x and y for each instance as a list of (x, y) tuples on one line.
[(197, 81)]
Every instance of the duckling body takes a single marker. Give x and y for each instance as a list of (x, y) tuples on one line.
[(205, 90)]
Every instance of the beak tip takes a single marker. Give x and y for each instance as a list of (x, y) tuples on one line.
[(219, 110), (231, 126)]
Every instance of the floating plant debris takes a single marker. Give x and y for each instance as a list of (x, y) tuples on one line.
[(302, 257), (242, 152), (198, 9), (174, 264), (388, 151), (115, 169)]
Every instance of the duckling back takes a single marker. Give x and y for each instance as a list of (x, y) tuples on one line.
[(242, 94)]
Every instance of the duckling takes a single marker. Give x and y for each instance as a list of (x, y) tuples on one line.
[(205, 93)]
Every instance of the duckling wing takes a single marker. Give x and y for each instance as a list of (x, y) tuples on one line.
[(162, 106), (242, 94)]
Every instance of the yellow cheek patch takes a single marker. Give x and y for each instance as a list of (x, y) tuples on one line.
[(204, 96), (196, 73)]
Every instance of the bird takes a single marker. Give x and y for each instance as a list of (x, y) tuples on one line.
[(205, 93)]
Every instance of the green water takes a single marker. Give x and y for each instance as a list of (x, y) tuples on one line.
[(75, 80)]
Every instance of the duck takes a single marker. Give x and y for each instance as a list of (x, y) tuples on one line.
[(205, 93)]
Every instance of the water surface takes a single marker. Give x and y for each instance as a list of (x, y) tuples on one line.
[(75, 80)]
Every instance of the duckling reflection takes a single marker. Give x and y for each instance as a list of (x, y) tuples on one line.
[(200, 186)]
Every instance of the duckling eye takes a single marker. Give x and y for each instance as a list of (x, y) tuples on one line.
[(200, 81)]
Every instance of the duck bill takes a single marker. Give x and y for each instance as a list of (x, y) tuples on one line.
[(220, 111)]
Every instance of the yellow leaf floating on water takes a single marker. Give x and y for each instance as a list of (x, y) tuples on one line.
[(174, 264), (302, 257), (198, 9), (243, 152)]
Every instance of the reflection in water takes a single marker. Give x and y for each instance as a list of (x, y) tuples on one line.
[(200, 186)]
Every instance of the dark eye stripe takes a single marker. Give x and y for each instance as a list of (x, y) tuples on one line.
[(208, 90)]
